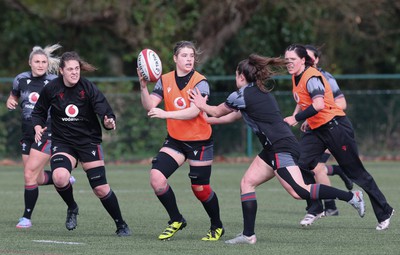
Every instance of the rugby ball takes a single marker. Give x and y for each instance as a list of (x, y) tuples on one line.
[(149, 65)]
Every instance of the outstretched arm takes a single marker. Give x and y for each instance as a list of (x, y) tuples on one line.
[(185, 114), (291, 119), (229, 118), (201, 103)]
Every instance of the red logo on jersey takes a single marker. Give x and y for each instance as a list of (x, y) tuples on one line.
[(33, 97), (71, 111), (180, 103), (61, 95), (82, 94)]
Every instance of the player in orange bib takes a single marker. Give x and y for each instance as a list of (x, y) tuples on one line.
[(189, 138), (329, 129), (322, 170)]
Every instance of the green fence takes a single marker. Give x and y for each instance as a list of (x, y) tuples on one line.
[(375, 115)]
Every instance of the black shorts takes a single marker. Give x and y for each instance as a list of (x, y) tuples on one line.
[(282, 153), (28, 139), (29, 143), (193, 150), (86, 153)]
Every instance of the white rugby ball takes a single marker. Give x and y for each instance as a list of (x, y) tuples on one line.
[(149, 65)]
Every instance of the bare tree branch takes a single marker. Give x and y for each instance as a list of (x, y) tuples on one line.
[(220, 21)]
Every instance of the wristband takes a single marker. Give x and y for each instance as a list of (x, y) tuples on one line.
[(307, 113)]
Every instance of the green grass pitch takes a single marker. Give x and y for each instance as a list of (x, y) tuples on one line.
[(277, 226)]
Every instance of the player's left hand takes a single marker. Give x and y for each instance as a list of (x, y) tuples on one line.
[(157, 113), (198, 99), (291, 120), (305, 127), (109, 123)]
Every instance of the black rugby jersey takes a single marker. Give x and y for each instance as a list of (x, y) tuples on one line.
[(261, 113), (74, 111), (27, 88)]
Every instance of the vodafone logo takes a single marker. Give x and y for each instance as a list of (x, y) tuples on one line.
[(33, 97), (71, 111), (180, 103)]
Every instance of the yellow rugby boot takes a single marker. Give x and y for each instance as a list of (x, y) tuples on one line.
[(214, 234), (172, 228)]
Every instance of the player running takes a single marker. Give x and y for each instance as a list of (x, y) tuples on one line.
[(280, 150), (329, 129), (35, 155), (76, 105)]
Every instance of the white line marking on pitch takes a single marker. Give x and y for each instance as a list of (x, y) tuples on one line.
[(57, 242)]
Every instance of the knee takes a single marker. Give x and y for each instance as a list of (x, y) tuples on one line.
[(157, 180), (320, 169), (364, 180), (292, 190), (307, 165), (61, 177), (291, 186), (202, 192), (200, 179), (29, 175), (246, 183), (299, 193), (102, 190)]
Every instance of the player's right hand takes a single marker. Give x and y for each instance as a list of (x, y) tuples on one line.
[(142, 80), (11, 103), (39, 133)]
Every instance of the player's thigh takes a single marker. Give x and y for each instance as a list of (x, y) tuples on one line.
[(37, 160), (92, 164), (176, 155), (257, 173)]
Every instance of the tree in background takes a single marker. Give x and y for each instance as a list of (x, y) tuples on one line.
[(359, 36), (123, 28)]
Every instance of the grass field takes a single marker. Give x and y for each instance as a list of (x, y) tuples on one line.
[(277, 227)]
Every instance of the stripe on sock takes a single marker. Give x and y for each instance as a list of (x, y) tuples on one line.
[(314, 191), (31, 187), (329, 170), (248, 197)]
